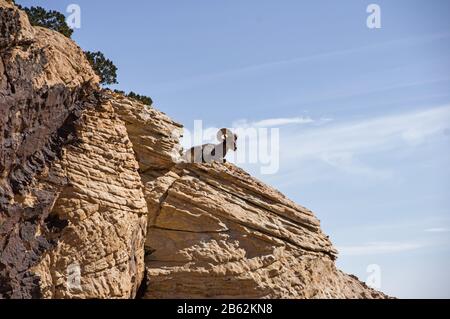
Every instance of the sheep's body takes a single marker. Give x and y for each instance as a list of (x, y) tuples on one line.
[(195, 154), (208, 153)]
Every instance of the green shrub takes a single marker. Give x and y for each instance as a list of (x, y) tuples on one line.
[(104, 67), (52, 19), (141, 98)]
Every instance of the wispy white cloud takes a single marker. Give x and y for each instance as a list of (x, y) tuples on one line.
[(438, 230), (344, 144), (273, 122), (283, 121), (372, 135), (413, 225), (378, 248), (341, 144), (348, 163)]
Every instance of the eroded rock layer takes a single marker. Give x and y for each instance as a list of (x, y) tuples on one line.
[(216, 232), (72, 212), (99, 217), (95, 203)]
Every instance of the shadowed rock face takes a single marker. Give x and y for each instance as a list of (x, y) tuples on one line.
[(100, 199), (94, 202), (44, 81), (70, 193)]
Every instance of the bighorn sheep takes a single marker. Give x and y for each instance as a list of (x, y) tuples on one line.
[(208, 153)]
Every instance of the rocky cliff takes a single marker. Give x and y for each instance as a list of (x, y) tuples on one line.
[(94, 204)]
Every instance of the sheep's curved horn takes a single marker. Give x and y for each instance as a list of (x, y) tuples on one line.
[(223, 134)]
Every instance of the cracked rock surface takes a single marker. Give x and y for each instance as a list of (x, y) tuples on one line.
[(216, 232), (95, 203)]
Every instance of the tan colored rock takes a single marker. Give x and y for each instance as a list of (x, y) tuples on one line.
[(14, 25), (100, 200), (90, 182), (45, 78), (154, 135), (70, 194), (216, 232)]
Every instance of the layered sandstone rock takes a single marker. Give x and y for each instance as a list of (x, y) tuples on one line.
[(44, 79), (101, 208), (71, 198), (216, 232), (154, 135), (91, 183)]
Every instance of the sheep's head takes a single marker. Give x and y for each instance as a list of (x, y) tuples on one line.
[(225, 135)]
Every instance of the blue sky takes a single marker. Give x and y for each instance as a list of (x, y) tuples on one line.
[(366, 132)]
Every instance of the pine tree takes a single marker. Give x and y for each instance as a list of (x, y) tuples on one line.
[(52, 19), (104, 67)]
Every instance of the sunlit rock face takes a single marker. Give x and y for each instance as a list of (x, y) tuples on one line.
[(71, 197), (95, 202)]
